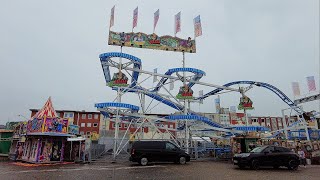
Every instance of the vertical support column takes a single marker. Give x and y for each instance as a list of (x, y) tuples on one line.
[(284, 124), (143, 98), (246, 118), (62, 149), (245, 113), (38, 150), (116, 131), (305, 125), (185, 111), (306, 129)]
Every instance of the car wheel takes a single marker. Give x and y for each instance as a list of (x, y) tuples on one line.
[(143, 161), (182, 160), (255, 165), (293, 164), (241, 166)]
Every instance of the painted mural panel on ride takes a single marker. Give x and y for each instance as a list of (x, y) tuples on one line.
[(152, 41)]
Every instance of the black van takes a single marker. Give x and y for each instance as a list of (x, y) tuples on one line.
[(152, 151)]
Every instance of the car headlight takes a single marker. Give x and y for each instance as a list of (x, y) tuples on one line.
[(237, 155), (245, 155)]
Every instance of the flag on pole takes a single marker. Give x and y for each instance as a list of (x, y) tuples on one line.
[(154, 76), (112, 17), (197, 26), (233, 109), (135, 18), (171, 84), (200, 95), (311, 83), (296, 88), (217, 103), (156, 18), (177, 23)]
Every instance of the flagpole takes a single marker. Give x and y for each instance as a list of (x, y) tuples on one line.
[(194, 34)]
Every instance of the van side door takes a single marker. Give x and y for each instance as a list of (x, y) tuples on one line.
[(170, 152), (155, 150)]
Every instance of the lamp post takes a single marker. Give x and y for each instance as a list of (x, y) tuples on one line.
[(19, 115)]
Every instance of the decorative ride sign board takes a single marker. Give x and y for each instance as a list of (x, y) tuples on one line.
[(152, 41), (245, 103), (119, 79), (185, 92)]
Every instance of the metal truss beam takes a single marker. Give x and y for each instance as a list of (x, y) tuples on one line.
[(307, 99)]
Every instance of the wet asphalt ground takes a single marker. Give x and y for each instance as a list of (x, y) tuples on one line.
[(206, 169)]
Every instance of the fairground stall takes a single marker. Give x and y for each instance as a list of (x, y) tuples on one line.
[(18, 140), (5, 141), (251, 138), (46, 136)]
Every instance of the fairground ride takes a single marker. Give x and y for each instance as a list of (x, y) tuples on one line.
[(129, 77)]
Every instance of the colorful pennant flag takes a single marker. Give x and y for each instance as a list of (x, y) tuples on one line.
[(177, 23), (154, 76), (135, 18), (233, 109), (171, 84), (112, 17), (197, 26), (200, 95), (311, 83), (217, 103), (296, 88), (156, 18)]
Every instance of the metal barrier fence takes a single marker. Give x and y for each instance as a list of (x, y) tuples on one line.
[(97, 150)]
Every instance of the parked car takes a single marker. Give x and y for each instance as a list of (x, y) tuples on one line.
[(267, 156), (156, 151)]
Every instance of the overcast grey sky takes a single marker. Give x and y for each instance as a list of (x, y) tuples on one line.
[(51, 48)]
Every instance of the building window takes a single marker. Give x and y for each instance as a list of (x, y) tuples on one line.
[(125, 125), (58, 114), (83, 116), (83, 124), (89, 116), (262, 120), (88, 124), (81, 133), (88, 132), (68, 115), (254, 120), (113, 125), (96, 116), (95, 124)]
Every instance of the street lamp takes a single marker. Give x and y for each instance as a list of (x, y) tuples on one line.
[(23, 117)]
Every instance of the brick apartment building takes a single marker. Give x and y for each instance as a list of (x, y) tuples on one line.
[(109, 125)]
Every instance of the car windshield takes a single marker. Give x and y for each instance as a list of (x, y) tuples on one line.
[(258, 149)]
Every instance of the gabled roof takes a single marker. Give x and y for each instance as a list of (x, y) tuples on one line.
[(46, 111)]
